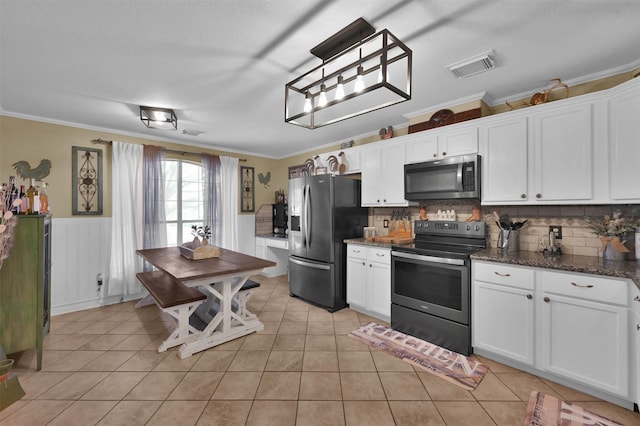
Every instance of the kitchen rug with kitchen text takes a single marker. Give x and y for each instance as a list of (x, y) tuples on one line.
[(547, 410), (451, 366)]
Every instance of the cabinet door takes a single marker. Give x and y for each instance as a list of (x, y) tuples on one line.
[(624, 149), (503, 146), (635, 324), (586, 342), (371, 170), (503, 321), (393, 175), (356, 281), (422, 149), (261, 248), (563, 147), (459, 142), (379, 289)]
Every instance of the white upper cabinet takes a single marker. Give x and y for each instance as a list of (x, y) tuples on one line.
[(563, 148), (382, 168), (624, 146), (439, 144), (503, 146)]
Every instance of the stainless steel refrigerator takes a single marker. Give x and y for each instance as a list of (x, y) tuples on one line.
[(323, 211)]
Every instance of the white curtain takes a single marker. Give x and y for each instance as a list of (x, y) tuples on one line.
[(126, 220), (229, 200), (211, 188), (155, 227)]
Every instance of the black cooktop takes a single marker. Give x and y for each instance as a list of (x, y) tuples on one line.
[(457, 240)]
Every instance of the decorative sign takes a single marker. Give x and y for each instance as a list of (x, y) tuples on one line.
[(247, 179), (86, 181), (298, 171)]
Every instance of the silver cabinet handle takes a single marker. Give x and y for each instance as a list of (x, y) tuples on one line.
[(380, 255), (529, 296), (355, 251), (502, 275), (582, 286), (546, 299)]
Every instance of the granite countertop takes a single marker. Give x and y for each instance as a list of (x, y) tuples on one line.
[(566, 262)]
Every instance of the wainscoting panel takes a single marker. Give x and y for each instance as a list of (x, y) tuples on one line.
[(79, 252), (246, 234)]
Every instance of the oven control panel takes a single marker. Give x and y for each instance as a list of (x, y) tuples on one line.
[(467, 229)]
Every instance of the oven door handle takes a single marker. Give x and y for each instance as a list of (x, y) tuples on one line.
[(423, 258)]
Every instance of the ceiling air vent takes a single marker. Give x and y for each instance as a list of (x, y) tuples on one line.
[(474, 65), (190, 132)]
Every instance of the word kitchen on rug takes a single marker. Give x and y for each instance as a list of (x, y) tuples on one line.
[(451, 366)]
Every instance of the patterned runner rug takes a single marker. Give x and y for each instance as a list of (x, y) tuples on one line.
[(549, 411), (451, 366)]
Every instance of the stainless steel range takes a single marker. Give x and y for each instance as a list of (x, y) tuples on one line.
[(431, 283)]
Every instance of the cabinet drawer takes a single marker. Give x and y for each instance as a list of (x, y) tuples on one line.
[(505, 275), (589, 287), (278, 243), (379, 255), (355, 251)]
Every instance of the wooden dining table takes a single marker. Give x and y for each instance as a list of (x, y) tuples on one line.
[(220, 278)]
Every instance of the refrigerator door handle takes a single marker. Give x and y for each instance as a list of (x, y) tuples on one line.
[(303, 214), (309, 264), (307, 226)]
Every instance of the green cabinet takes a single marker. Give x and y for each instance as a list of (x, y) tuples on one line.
[(25, 291)]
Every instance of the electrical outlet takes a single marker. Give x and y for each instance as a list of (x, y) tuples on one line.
[(385, 223), (557, 230)]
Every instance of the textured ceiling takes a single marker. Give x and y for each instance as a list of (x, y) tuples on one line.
[(222, 65)]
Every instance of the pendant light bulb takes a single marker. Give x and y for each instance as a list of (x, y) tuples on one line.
[(359, 87), (380, 74), (340, 88), (322, 101), (308, 106)]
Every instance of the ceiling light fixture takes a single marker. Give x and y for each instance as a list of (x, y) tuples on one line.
[(158, 118), (340, 88), (353, 56)]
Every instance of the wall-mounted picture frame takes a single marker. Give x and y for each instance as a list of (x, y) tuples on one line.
[(321, 171), (86, 181), (247, 180)]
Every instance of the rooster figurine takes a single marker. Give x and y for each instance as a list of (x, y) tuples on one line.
[(24, 170)]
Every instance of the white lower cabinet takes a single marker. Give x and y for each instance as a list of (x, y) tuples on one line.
[(569, 327), (369, 280), (635, 337), (503, 319)]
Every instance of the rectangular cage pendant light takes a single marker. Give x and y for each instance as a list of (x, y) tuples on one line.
[(361, 72)]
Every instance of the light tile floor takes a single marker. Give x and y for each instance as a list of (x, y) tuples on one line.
[(101, 367)]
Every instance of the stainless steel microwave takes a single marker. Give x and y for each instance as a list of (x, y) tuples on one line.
[(446, 179)]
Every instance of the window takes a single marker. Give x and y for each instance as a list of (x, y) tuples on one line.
[(183, 199)]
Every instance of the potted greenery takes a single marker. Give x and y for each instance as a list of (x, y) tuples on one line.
[(199, 248), (612, 232)]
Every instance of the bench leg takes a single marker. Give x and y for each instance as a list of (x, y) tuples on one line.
[(145, 301), (183, 330), (241, 298)]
